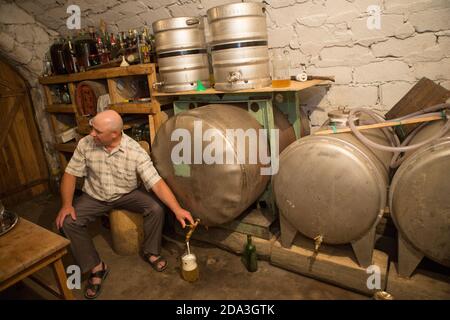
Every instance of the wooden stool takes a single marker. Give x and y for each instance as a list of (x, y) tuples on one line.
[(127, 231), (127, 228)]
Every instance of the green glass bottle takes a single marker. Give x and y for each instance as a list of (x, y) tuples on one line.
[(249, 257)]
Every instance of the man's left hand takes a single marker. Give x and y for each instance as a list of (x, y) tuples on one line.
[(182, 215)]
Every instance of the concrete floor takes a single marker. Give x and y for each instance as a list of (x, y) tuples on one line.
[(222, 275)]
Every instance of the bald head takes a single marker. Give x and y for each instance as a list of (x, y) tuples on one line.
[(108, 120)]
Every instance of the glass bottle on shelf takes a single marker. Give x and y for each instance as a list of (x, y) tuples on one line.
[(144, 49), (48, 69), (114, 51), (102, 51), (60, 57), (73, 56), (94, 58)]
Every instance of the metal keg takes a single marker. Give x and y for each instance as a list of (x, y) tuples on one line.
[(216, 193), (240, 55), (181, 53), (419, 201), (333, 188)]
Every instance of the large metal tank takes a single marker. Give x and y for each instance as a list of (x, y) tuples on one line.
[(240, 55), (181, 53), (333, 188), (419, 201), (215, 193)]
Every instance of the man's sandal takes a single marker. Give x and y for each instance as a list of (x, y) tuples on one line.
[(156, 264), (97, 288)]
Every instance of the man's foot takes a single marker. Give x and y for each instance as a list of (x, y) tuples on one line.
[(95, 281), (156, 261)]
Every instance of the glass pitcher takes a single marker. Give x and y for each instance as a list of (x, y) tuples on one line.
[(281, 62)]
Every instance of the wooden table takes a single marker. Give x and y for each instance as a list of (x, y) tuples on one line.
[(28, 248)]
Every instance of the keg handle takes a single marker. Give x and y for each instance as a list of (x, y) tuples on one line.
[(191, 22), (234, 76), (157, 85)]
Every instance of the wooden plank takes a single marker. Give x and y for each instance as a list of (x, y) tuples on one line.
[(295, 86), (26, 272), (66, 147), (380, 125), (334, 264), (423, 94), (60, 108), (25, 245), (113, 92), (152, 128), (139, 69), (61, 280), (23, 187), (423, 285), (129, 107), (8, 120)]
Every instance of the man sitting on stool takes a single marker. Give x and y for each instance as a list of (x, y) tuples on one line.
[(111, 162)]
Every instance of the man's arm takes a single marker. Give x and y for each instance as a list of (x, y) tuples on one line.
[(67, 191), (162, 190)]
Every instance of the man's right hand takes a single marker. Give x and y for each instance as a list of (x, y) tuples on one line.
[(63, 213)]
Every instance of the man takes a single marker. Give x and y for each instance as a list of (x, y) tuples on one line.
[(111, 162)]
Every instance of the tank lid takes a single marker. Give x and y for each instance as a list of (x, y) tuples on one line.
[(240, 9), (340, 116), (177, 23)]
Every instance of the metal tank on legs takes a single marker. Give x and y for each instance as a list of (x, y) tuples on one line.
[(216, 193), (419, 201), (333, 188)]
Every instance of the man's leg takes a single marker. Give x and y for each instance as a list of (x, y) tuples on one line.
[(148, 204), (87, 209)]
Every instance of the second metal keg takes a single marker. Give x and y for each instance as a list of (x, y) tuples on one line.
[(240, 55)]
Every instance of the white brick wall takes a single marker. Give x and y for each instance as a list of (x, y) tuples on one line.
[(329, 37)]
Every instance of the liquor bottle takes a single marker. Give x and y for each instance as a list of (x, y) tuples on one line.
[(114, 51), (73, 55), (144, 49), (94, 58), (102, 52), (249, 256), (60, 57), (129, 42)]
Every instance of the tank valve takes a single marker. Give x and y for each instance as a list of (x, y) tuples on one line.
[(234, 76), (192, 228), (317, 242)]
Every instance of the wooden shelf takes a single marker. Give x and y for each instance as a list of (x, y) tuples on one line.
[(132, 107), (66, 147), (295, 86), (105, 73), (60, 108)]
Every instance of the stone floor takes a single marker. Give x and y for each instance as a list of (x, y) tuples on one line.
[(222, 275)]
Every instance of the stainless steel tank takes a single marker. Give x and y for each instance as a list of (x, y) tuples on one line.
[(419, 201), (333, 188), (215, 193), (181, 53), (240, 55)]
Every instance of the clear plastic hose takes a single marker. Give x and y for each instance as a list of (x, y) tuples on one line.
[(398, 148)]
